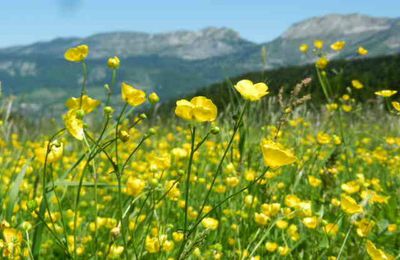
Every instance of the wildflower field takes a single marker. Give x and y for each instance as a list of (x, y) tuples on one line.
[(266, 177)]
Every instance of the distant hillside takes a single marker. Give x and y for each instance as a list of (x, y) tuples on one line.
[(375, 73), (177, 63)]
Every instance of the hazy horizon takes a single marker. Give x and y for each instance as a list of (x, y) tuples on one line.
[(257, 21)]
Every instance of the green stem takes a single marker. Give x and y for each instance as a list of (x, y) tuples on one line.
[(189, 170), (110, 91), (83, 90)]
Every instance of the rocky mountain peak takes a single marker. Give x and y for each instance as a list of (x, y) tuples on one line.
[(336, 24)]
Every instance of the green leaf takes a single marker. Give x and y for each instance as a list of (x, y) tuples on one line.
[(14, 191)]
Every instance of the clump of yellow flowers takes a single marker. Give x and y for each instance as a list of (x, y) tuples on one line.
[(200, 109)]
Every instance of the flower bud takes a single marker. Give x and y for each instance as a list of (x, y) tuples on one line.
[(154, 98), (80, 114), (32, 205), (215, 130), (108, 110), (152, 131), (142, 116), (123, 135), (115, 231)]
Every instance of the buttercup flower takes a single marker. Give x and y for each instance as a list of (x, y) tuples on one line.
[(132, 96), (322, 63), (55, 152), (271, 246), (350, 206), (323, 138), (113, 62), (377, 254), (362, 51), (386, 93), (88, 104), (200, 109), (338, 46), (357, 84), (11, 246), (210, 223), (135, 186), (303, 48), (364, 227), (77, 54), (275, 155), (250, 91), (311, 222), (318, 44), (74, 123), (396, 105)]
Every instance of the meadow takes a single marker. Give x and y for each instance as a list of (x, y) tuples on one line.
[(266, 176)]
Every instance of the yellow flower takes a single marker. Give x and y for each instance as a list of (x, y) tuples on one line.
[(323, 138), (303, 48), (282, 224), (177, 236), (347, 108), (362, 51), (77, 54), (74, 123), (283, 250), (357, 84), (152, 244), (271, 246), (364, 227), (261, 219), (319, 44), (168, 245), (392, 228), (271, 209), (386, 93), (374, 197), (88, 104), (377, 254), (311, 222), (315, 182), (200, 109), (275, 155), (349, 205), (331, 229), (292, 201), (396, 105), (132, 96), (250, 91), (351, 187), (11, 246), (115, 251), (322, 63), (338, 46), (55, 152), (113, 62), (134, 186), (12, 235), (154, 98), (210, 223), (331, 106)]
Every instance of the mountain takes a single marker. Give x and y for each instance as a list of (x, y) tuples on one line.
[(187, 45), (179, 63)]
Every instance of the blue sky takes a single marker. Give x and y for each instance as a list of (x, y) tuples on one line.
[(27, 21)]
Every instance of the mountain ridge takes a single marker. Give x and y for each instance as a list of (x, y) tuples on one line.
[(180, 62)]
